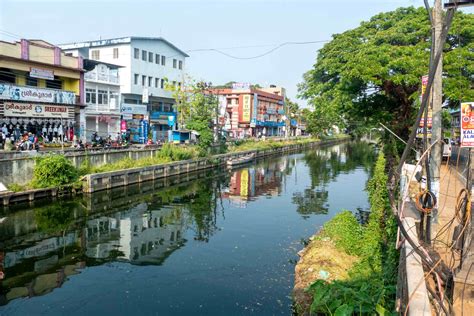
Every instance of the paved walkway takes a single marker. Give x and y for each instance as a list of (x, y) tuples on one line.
[(451, 183)]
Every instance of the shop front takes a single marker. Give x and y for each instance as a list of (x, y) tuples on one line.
[(136, 117), (51, 123)]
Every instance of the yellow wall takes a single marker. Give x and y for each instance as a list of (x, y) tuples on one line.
[(71, 85), (20, 79), (41, 83), (42, 55)]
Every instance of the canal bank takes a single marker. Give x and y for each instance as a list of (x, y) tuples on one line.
[(107, 180), (350, 265), (224, 243)]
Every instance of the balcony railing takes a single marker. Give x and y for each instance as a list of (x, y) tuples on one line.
[(102, 77)]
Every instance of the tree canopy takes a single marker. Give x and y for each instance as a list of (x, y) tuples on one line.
[(372, 73)]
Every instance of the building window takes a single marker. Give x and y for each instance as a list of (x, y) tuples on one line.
[(32, 82), (163, 60), (115, 52), (162, 83), (157, 82), (143, 80), (144, 55), (95, 54), (174, 83), (150, 57), (179, 85), (136, 53), (54, 84), (174, 63), (102, 97), (90, 96), (157, 59), (180, 64), (135, 80), (150, 80)]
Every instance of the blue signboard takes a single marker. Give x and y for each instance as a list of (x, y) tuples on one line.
[(143, 131)]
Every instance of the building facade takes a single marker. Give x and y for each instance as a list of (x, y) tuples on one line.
[(252, 112), (40, 90), (149, 65), (102, 98)]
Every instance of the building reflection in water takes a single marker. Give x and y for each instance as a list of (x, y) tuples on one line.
[(42, 246)]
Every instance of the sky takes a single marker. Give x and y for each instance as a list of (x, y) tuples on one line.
[(234, 27)]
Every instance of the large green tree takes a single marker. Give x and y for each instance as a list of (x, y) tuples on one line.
[(372, 73)]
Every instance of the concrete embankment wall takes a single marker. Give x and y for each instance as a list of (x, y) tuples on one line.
[(108, 180), (114, 179), (19, 170)]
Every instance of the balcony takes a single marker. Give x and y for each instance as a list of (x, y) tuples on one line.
[(102, 77), (35, 94)]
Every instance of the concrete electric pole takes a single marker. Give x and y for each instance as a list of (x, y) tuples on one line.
[(437, 100)]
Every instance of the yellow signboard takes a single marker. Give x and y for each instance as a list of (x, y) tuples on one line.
[(244, 183), (246, 108)]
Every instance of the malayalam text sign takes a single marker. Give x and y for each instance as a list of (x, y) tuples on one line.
[(246, 108), (467, 124)]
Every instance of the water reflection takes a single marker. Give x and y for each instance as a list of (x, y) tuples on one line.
[(145, 224), (325, 165)]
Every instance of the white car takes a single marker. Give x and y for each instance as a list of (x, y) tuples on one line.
[(446, 148)]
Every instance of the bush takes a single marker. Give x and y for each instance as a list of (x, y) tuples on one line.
[(345, 231), (175, 153), (53, 171)]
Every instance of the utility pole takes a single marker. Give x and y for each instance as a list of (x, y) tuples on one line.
[(437, 100)]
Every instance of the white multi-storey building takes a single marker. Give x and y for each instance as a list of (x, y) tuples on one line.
[(102, 98), (149, 64)]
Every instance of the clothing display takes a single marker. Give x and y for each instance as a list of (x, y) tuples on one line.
[(47, 129)]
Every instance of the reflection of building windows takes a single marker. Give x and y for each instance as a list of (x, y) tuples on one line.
[(178, 235), (143, 250), (161, 221), (155, 222), (135, 252), (172, 236), (135, 228)]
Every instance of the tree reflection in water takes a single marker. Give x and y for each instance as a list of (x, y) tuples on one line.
[(325, 164)]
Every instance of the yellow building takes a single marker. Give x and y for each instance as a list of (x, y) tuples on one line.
[(41, 90)]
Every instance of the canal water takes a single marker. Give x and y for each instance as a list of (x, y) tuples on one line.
[(213, 243)]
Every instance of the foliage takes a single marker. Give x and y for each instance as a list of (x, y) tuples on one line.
[(53, 171), (175, 153), (371, 74), (55, 217), (15, 187), (370, 288)]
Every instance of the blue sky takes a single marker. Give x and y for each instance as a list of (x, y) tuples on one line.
[(203, 24)]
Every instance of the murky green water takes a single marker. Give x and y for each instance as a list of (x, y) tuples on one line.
[(214, 243)]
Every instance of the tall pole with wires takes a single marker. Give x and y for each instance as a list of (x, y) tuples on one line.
[(437, 100)]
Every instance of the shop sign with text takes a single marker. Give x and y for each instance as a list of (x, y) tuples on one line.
[(246, 109), (467, 124), (41, 73), (18, 93), (37, 110)]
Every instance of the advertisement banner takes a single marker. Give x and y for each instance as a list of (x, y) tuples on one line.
[(41, 73), (467, 124), (17, 93), (429, 121), (246, 108), (240, 85), (38, 110)]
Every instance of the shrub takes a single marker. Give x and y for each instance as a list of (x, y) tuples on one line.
[(345, 231), (175, 153), (53, 171)]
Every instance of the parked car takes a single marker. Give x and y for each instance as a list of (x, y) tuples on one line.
[(447, 147)]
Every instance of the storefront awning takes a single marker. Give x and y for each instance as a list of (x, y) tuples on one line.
[(161, 122)]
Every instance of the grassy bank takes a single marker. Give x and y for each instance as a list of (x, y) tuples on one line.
[(363, 279), (55, 170)]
